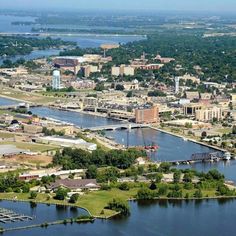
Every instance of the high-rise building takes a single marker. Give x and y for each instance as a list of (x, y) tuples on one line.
[(176, 85), (56, 80)]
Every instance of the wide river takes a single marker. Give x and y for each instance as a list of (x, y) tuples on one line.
[(162, 218), (83, 41)]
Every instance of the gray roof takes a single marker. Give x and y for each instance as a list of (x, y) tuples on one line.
[(10, 150), (75, 183)]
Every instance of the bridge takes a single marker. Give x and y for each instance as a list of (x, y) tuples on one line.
[(199, 157), (8, 107), (118, 127)]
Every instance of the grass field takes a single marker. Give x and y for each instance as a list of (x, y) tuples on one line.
[(31, 146), (6, 135), (26, 96), (96, 201)]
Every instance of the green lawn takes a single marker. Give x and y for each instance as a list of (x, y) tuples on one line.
[(96, 201), (93, 201)]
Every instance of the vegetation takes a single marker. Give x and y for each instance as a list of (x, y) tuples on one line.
[(51, 132), (120, 206), (78, 158), (17, 45)]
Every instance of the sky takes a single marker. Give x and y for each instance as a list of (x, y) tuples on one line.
[(179, 5)]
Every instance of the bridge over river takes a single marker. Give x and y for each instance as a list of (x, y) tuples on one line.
[(118, 126), (199, 157)]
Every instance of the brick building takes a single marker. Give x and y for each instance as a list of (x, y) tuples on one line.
[(147, 114)]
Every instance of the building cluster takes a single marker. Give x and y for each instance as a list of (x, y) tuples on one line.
[(87, 64)]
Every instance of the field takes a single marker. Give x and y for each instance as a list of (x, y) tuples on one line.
[(41, 160), (33, 147), (96, 201), (6, 135), (26, 96)]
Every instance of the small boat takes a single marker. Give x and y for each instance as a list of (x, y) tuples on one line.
[(185, 139), (151, 147), (227, 156)]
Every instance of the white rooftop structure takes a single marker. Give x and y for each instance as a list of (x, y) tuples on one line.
[(10, 150)]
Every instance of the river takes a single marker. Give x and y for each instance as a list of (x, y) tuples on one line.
[(83, 41), (160, 218)]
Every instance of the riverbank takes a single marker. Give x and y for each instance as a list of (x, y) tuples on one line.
[(189, 139)]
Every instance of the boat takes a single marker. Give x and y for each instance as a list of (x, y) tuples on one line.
[(227, 156), (185, 139), (151, 147)]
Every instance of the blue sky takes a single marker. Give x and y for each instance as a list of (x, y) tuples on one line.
[(196, 5)]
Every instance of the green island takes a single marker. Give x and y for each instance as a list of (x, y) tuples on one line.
[(120, 180)]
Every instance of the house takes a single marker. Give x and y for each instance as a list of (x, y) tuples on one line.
[(140, 161), (75, 185)]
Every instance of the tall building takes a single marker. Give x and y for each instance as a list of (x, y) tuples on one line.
[(147, 115), (56, 79), (176, 85)]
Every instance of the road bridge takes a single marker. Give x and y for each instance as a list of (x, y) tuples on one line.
[(118, 127)]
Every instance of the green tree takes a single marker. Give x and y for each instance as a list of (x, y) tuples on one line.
[(74, 198), (61, 194), (144, 194), (33, 195), (119, 206), (177, 176)]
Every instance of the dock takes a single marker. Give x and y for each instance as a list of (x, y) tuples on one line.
[(7, 216)]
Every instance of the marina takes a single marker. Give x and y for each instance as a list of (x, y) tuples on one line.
[(11, 216)]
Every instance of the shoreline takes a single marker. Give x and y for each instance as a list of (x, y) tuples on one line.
[(96, 114), (189, 139)]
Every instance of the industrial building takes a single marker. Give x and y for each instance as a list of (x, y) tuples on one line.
[(67, 142)]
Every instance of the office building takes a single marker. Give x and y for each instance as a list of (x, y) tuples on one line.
[(146, 115)]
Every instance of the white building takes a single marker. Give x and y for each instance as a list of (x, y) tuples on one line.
[(56, 80), (115, 70), (176, 85)]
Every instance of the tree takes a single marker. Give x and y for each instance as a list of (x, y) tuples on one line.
[(234, 129), (124, 187), (165, 167), (177, 176), (223, 144), (120, 87), (91, 172), (198, 193), (74, 198), (61, 194), (33, 195), (129, 94), (204, 134), (100, 87), (155, 177), (119, 206), (187, 177), (153, 186), (145, 194)]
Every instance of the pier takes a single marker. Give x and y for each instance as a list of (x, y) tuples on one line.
[(7, 216)]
